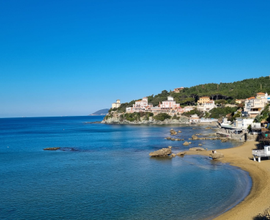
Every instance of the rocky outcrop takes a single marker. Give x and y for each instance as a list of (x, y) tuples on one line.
[(164, 152), (186, 143), (52, 148), (173, 132), (197, 149), (216, 155), (194, 137), (263, 216), (181, 154), (116, 118)]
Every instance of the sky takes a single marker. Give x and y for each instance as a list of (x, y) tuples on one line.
[(75, 57)]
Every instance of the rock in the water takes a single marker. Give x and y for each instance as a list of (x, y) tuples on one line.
[(173, 155), (173, 132), (179, 131), (194, 137), (200, 144), (197, 149), (186, 143), (52, 148), (216, 156), (168, 138), (164, 152), (181, 154), (224, 139)]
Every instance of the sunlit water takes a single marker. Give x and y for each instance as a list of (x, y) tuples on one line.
[(105, 172)]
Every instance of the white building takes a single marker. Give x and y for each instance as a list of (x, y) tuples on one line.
[(140, 106), (242, 123), (254, 106), (207, 106), (116, 104), (194, 119), (188, 109)]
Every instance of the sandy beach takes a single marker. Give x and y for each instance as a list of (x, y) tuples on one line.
[(259, 198)]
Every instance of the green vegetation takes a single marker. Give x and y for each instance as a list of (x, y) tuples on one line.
[(264, 116), (221, 112), (192, 112), (162, 116), (132, 116)]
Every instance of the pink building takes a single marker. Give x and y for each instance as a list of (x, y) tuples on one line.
[(169, 104)]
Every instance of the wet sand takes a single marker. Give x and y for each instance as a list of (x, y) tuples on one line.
[(259, 198)]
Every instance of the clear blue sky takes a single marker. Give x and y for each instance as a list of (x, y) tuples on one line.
[(75, 57)]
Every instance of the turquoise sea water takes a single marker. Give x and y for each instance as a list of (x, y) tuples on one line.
[(104, 172)]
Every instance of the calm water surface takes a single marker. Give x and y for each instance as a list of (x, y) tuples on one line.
[(104, 172)]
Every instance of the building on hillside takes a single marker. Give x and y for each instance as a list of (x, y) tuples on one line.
[(194, 119), (208, 120), (256, 128), (177, 90), (264, 96), (116, 104), (207, 106), (260, 95), (240, 101), (254, 106), (169, 104), (242, 123), (203, 100), (140, 106), (188, 108)]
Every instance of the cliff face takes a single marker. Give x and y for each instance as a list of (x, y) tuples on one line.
[(116, 118)]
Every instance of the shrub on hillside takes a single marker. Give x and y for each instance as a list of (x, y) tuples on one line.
[(162, 116)]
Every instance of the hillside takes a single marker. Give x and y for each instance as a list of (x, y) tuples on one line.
[(222, 91)]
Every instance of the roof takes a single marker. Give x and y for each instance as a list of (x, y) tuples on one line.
[(251, 98), (260, 93), (205, 97)]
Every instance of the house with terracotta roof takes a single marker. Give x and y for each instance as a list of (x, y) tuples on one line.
[(205, 104), (203, 100), (254, 106), (177, 90)]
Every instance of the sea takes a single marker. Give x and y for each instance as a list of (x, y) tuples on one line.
[(104, 172)]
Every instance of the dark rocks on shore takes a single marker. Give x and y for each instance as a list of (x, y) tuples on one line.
[(224, 139), (164, 152)]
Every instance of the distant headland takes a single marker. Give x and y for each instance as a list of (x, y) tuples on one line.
[(100, 112)]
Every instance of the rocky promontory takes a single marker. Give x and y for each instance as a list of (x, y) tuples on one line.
[(120, 118)]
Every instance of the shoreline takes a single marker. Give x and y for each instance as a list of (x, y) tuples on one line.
[(258, 199)]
